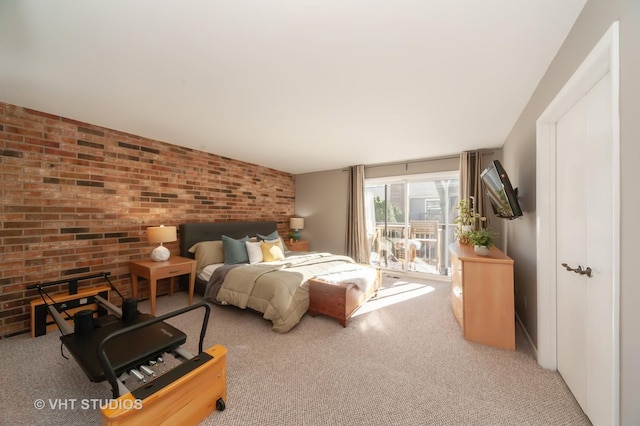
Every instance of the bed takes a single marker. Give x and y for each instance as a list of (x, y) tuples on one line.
[(247, 265)]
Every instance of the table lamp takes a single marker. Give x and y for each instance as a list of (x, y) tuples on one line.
[(161, 234), (296, 223)]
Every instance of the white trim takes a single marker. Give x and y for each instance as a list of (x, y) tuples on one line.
[(602, 59), (615, 252), (546, 247)]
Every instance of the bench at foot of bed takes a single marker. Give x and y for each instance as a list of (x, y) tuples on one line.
[(339, 300)]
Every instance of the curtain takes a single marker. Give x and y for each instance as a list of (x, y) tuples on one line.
[(357, 242), (470, 182)]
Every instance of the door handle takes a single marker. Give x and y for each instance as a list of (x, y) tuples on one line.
[(587, 271)]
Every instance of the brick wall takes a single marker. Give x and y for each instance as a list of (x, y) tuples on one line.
[(77, 198)]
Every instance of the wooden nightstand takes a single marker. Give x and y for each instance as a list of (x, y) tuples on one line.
[(154, 271), (299, 245)]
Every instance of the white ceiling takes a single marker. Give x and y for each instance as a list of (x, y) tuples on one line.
[(295, 85)]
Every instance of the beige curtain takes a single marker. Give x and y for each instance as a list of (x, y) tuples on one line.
[(470, 182), (357, 243)]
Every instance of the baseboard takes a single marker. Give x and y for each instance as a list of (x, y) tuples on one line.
[(524, 329)]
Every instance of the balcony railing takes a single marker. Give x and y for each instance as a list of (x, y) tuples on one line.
[(420, 246)]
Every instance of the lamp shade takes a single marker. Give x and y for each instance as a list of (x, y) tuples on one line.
[(296, 223), (161, 234)]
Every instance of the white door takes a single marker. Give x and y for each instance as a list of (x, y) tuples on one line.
[(585, 240)]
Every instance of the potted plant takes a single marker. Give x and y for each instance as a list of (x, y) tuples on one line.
[(482, 240), (467, 220)]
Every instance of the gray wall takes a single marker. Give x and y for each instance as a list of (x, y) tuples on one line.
[(322, 196), (519, 154)]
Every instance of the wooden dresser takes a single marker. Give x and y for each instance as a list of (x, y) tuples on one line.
[(482, 296)]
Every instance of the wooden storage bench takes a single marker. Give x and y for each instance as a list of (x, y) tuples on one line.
[(338, 300)]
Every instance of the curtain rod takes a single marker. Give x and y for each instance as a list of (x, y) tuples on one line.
[(424, 160)]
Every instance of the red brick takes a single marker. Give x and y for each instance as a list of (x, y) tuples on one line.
[(41, 196)]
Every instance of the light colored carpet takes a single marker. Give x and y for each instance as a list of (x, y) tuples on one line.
[(401, 361)]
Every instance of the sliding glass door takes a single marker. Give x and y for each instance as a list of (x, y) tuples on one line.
[(410, 221)]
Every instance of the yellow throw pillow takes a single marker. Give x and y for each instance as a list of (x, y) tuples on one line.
[(271, 251)]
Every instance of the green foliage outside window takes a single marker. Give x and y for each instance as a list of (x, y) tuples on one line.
[(394, 214)]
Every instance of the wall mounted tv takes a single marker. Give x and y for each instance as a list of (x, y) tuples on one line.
[(502, 196)]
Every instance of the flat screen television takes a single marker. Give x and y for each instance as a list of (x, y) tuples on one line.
[(502, 196)]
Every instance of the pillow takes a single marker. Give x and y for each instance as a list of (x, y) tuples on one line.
[(235, 251), (271, 251), (280, 244), (274, 236), (254, 251), (207, 253)]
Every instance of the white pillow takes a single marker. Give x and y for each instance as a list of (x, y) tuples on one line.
[(255, 252)]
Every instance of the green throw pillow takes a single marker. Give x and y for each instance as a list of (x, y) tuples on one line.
[(235, 250)]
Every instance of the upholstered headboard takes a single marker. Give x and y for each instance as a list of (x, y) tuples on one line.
[(191, 233)]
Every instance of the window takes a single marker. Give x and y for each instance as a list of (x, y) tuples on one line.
[(410, 221)]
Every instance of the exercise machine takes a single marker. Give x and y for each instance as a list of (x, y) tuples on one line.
[(118, 344)]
